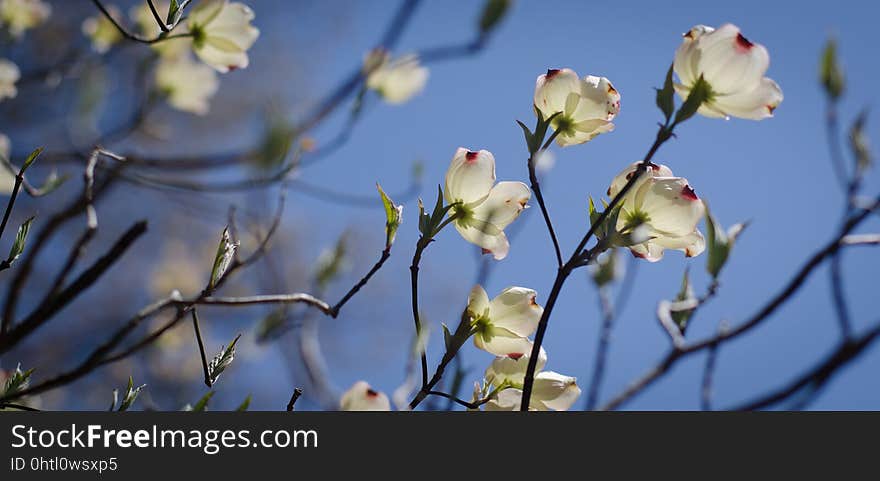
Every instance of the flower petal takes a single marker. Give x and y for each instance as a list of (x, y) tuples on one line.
[(500, 342), (512, 367), (687, 54), (673, 208), (730, 62), (657, 170), (478, 301), (361, 397), (555, 391), (553, 88), (756, 104), (516, 310), (485, 235), (470, 176), (504, 204)]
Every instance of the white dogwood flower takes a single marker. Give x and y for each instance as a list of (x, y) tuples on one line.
[(101, 31), (396, 80), (9, 75), (734, 69), (19, 16), (188, 85), (551, 391), (666, 208), (362, 397), (222, 33), (511, 368), (502, 326), (587, 105), (483, 209)]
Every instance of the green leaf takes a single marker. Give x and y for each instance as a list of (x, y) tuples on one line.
[(493, 12), (859, 144), (175, 11), (393, 217), (530, 137), (31, 158), (686, 293), (830, 73), (223, 258), (666, 96), (244, 404), (447, 336), (273, 325), (719, 243), (424, 219), (700, 92), (331, 262), (605, 269), (131, 394), (53, 182), (222, 360), (202, 404), (16, 382), (20, 241)]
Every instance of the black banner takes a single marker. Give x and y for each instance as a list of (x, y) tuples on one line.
[(464, 445)]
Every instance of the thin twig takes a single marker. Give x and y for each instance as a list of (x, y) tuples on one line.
[(297, 392), (536, 188), (198, 335), (54, 303), (708, 376)]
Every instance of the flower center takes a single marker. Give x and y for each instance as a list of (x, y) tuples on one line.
[(198, 35)]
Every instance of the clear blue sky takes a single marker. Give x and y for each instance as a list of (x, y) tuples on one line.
[(775, 173)]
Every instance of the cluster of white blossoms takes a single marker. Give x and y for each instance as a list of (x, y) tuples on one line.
[(16, 17), (217, 32), (19, 16), (659, 211), (395, 80)]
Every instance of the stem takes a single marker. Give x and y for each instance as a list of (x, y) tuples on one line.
[(195, 319), (577, 259), (11, 202), (536, 188), (159, 20), (297, 392), (414, 282), (334, 311)]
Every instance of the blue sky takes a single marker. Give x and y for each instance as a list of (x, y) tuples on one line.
[(774, 173)]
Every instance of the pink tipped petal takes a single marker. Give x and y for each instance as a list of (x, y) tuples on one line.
[(756, 104), (516, 309), (470, 177)]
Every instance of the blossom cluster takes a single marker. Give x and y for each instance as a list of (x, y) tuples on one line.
[(654, 211)]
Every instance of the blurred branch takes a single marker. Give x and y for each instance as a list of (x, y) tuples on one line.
[(818, 377), (677, 353), (53, 303)]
